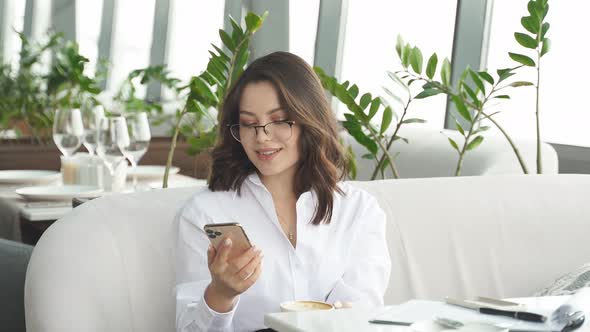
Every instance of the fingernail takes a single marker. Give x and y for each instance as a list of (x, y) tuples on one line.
[(253, 248), (227, 242)]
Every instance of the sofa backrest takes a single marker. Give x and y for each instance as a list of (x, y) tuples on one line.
[(108, 265)]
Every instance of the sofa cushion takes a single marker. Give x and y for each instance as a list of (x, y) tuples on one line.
[(568, 283)]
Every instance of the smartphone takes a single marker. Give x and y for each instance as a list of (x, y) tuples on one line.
[(233, 230)]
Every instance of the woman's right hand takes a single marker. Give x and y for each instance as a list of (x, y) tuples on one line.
[(230, 278)]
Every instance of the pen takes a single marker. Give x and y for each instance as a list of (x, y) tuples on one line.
[(522, 315)]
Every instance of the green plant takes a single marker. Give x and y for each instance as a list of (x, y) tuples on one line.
[(30, 95), (471, 94), (23, 90), (209, 89), (534, 24), (359, 123), (127, 94), (67, 84)]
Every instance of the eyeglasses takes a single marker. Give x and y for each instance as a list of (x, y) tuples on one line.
[(279, 130)]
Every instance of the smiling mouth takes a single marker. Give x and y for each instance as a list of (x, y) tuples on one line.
[(268, 153)]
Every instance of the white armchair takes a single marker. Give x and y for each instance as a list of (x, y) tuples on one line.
[(108, 265)]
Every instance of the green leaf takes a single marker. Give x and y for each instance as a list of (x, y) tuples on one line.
[(253, 21), (544, 29), (406, 54), (368, 156), (546, 46), (474, 143), (386, 120), (461, 108), (416, 60), (374, 107), (236, 26), (526, 40), (398, 80), (533, 9), (502, 97), (353, 91), (202, 88), (414, 120), (486, 77), (356, 132), (399, 46), (523, 59), (445, 72), (459, 128), (365, 100), (453, 144), (504, 74), (226, 39), (520, 83), (394, 96), (530, 23), (481, 129), (471, 94), (427, 93), (402, 138), (431, 66), (477, 81), (222, 54)]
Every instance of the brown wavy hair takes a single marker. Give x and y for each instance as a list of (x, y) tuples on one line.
[(322, 161)]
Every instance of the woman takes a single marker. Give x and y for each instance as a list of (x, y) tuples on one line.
[(276, 170)]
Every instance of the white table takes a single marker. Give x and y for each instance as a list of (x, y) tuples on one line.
[(357, 319), (37, 212)]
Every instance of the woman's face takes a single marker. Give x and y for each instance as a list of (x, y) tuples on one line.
[(276, 151)]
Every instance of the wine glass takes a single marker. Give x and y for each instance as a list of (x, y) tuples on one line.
[(91, 117), (112, 133), (139, 140), (68, 130)]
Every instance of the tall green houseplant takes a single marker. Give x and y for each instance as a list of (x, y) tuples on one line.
[(209, 89)]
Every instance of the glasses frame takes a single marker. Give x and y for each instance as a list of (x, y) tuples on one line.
[(267, 132)]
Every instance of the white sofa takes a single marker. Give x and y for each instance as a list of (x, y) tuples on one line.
[(429, 154), (107, 266)]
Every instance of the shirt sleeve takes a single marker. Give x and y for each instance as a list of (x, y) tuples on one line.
[(193, 277), (367, 276)]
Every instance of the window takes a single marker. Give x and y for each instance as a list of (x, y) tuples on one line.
[(12, 21), (132, 40), (303, 23), (563, 110), (193, 27), (88, 23), (369, 45)]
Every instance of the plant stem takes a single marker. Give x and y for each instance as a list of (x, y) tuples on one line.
[(539, 161), (172, 148), (391, 140), (514, 148)]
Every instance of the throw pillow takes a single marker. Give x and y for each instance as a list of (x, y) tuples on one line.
[(569, 283)]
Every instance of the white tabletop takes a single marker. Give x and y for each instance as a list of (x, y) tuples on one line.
[(357, 319), (37, 211), (343, 320)]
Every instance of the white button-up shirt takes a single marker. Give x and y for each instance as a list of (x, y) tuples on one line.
[(346, 260)]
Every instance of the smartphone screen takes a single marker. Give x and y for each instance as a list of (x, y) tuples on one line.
[(218, 232)]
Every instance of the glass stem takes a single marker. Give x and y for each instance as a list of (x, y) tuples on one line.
[(134, 167)]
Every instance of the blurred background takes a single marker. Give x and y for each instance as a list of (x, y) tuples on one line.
[(350, 39)]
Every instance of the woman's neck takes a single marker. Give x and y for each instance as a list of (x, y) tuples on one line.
[(280, 186)]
